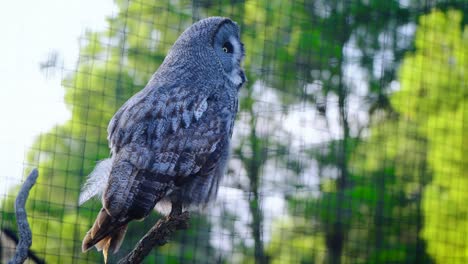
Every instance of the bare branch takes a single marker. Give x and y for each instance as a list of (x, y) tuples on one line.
[(25, 236), (158, 235)]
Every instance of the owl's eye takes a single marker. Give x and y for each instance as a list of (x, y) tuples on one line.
[(227, 47)]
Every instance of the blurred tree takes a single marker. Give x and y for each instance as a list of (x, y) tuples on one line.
[(343, 31), (434, 95), (376, 196)]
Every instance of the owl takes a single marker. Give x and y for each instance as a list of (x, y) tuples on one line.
[(170, 141)]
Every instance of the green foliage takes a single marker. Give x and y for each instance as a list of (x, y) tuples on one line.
[(296, 242), (408, 169), (434, 94), (440, 60)]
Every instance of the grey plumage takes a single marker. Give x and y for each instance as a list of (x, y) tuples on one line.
[(170, 141)]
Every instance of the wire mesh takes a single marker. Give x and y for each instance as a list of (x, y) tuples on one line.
[(349, 146)]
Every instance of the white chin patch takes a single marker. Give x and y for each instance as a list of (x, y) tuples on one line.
[(235, 78)]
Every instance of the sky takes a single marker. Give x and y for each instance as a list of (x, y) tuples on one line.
[(31, 101)]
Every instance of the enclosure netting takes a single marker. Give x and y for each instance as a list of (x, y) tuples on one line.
[(350, 144)]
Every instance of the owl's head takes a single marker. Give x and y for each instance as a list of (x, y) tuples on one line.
[(210, 46)]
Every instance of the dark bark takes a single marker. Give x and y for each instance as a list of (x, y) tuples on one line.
[(13, 237), (25, 236), (158, 235)]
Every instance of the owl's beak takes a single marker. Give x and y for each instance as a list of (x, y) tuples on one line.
[(243, 79)]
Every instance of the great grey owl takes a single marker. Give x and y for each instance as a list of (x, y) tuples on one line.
[(170, 141)]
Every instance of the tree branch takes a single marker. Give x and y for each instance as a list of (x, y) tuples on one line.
[(25, 236), (158, 235), (10, 234)]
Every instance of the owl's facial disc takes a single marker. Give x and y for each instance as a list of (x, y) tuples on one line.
[(230, 52), (234, 47)]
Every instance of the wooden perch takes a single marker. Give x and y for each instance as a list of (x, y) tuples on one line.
[(158, 235), (25, 236)]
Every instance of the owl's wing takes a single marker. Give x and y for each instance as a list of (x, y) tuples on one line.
[(158, 139), (154, 114), (171, 133)]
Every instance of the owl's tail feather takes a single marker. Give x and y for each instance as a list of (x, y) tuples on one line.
[(106, 234)]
